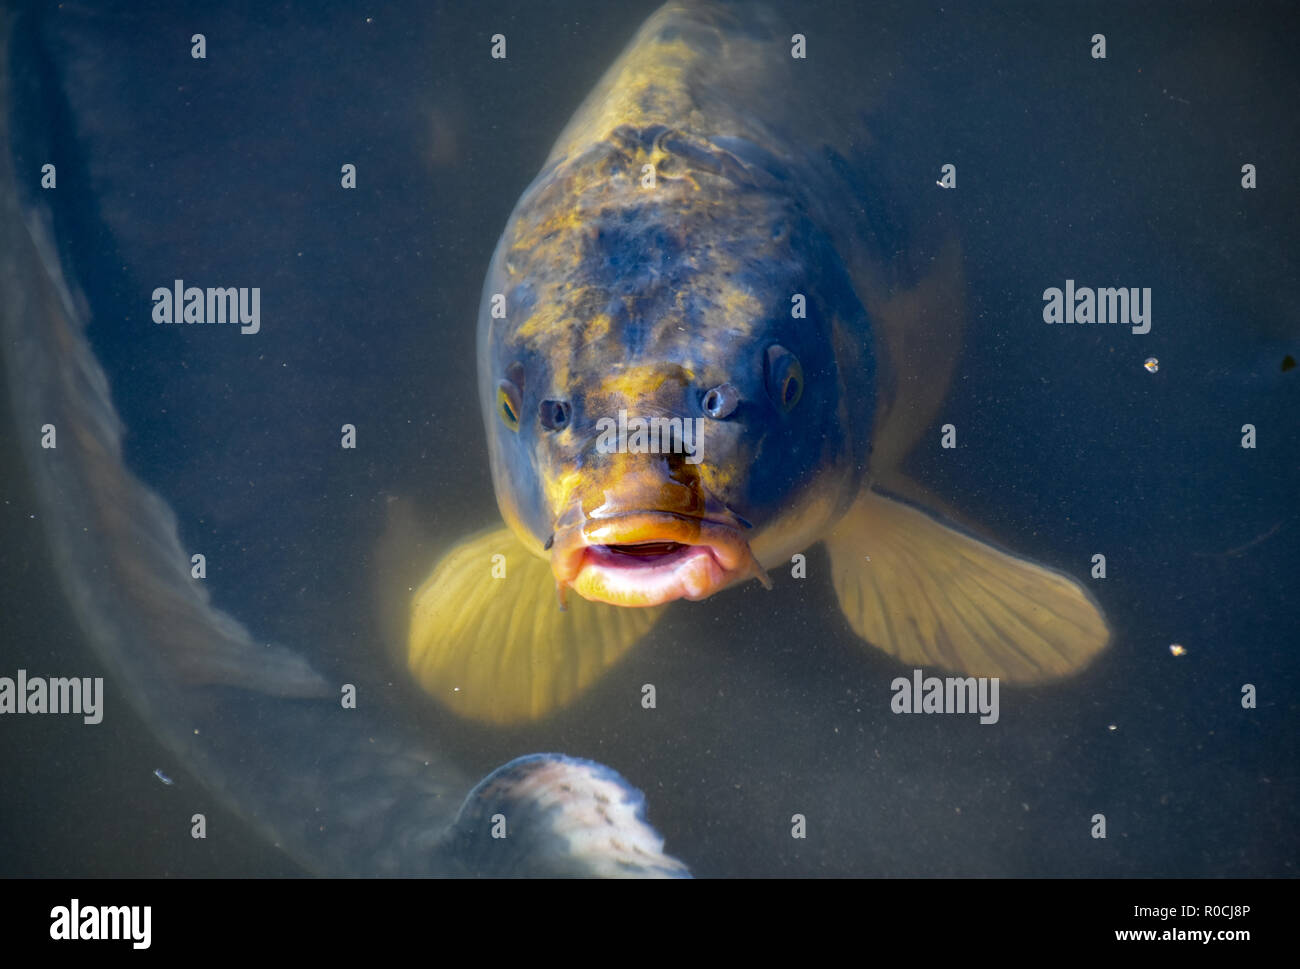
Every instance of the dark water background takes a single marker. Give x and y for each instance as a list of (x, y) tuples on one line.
[(1116, 172)]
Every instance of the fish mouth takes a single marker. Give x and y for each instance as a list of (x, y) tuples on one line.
[(652, 557)]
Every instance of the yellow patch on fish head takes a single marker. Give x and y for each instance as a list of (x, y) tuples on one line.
[(661, 387)]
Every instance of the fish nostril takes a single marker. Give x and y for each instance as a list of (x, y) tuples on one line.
[(784, 376), (721, 401), (554, 414)]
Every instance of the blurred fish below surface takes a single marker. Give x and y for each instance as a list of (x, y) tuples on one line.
[(242, 525), (339, 783)]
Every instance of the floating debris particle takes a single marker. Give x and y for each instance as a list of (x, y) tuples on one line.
[(1177, 650), (1152, 364), (163, 777)]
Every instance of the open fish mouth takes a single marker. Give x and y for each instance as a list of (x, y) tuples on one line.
[(649, 558)]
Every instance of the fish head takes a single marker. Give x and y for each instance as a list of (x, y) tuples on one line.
[(662, 375)]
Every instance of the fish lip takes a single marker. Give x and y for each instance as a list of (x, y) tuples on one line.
[(708, 556)]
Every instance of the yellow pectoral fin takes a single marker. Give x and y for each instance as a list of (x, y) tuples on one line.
[(933, 596), (489, 641)]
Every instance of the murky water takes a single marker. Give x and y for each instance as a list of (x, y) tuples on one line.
[(1115, 172)]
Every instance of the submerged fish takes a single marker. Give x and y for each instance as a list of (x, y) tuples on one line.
[(705, 263), (342, 791)]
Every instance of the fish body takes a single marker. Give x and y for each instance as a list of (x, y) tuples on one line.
[(706, 257)]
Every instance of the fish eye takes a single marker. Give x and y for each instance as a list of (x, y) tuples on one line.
[(554, 414), (720, 401), (508, 404), (784, 377)]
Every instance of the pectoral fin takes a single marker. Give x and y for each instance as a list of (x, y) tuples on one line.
[(933, 596), (488, 639)]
